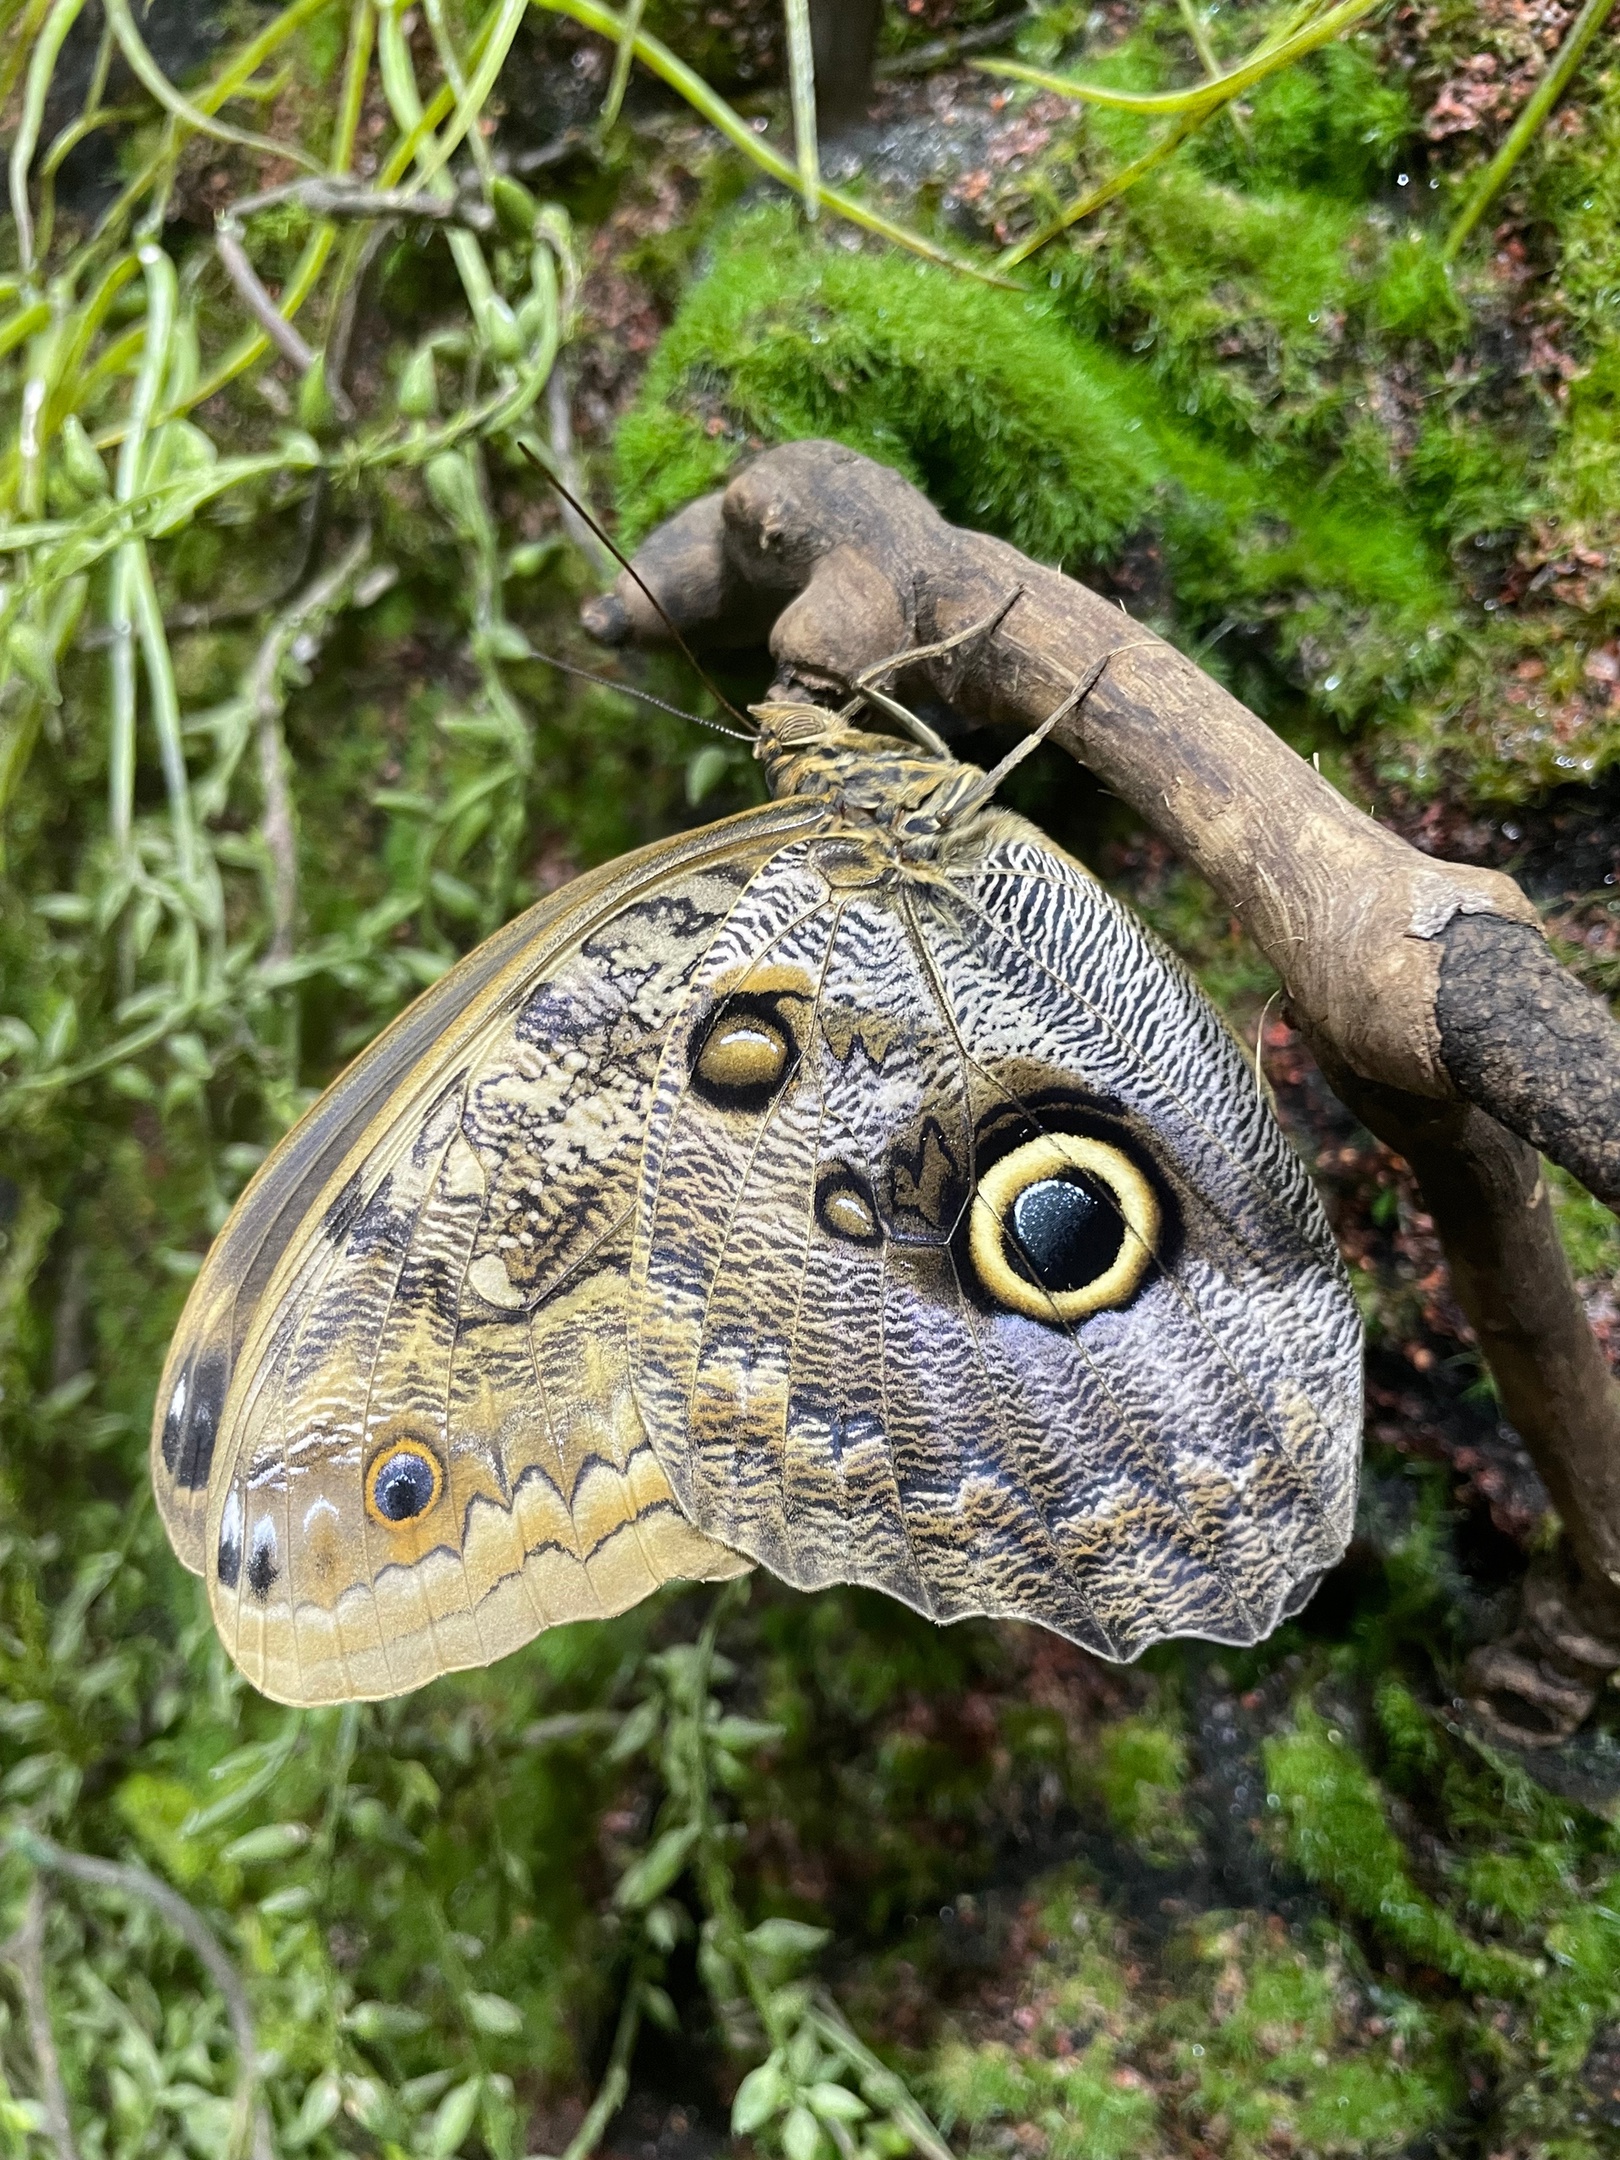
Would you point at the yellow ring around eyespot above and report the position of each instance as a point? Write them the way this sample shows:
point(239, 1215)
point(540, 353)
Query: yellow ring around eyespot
point(1050, 1156)
point(391, 1453)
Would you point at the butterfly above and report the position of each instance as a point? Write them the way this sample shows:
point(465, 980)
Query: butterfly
point(852, 1186)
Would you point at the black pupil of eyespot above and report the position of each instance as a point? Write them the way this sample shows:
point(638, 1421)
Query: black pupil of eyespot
point(1067, 1230)
point(404, 1487)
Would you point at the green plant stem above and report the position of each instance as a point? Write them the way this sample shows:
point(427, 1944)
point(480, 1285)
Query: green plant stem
point(121, 605)
point(307, 271)
point(92, 114)
point(623, 57)
point(21, 326)
point(1200, 98)
point(615, 2080)
point(663, 63)
point(827, 2022)
point(196, 117)
point(1192, 109)
point(41, 67)
point(16, 44)
point(1198, 31)
point(1541, 102)
point(1115, 184)
point(238, 70)
point(494, 44)
point(165, 709)
point(404, 101)
point(32, 423)
point(802, 87)
point(445, 47)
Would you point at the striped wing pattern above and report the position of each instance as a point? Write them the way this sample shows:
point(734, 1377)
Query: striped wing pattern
point(851, 1407)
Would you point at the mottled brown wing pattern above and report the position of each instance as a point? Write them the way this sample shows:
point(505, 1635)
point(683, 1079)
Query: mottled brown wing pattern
point(275, 1209)
point(829, 1373)
point(424, 1447)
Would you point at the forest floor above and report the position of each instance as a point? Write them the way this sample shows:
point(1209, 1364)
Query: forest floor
point(1233, 1906)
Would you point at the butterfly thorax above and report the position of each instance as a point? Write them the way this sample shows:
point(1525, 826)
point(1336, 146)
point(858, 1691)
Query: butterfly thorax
point(877, 783)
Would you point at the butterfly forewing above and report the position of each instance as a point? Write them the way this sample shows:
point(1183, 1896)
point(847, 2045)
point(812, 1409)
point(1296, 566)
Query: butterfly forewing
point(843, 1381)
point(428, 1449)
point(275, 1210)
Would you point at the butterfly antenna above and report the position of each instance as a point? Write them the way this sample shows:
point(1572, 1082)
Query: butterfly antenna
point(630, 571)
point(606, 682)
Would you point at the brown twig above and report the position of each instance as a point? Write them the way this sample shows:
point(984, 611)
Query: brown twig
point(303, 620)
point(325, 197)
point(258, 302)
point(330, 197)
point(1424, 987)
point(955, 45)
point(560, 427)
point(25, 1953)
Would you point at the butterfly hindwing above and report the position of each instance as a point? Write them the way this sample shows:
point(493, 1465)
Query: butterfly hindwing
point(849, 1367)
point(426, 1448)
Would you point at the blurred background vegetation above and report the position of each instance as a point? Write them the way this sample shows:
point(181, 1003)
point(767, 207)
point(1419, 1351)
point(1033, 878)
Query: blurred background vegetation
point(278, 742)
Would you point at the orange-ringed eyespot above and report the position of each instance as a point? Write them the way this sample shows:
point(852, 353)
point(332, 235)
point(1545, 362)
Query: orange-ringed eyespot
point(403, 1482)
point(1062, 1227)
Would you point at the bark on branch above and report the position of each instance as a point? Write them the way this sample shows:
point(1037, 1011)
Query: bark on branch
point(1424, 987)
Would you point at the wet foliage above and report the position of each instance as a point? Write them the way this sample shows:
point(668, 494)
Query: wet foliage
point(807, 1865)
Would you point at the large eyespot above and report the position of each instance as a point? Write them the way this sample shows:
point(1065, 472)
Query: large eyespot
point(1063, 1226)
point(403, 1482)
point(744, 1054)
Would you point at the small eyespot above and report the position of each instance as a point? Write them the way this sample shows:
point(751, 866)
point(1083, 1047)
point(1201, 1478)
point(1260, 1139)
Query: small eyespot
point(261, 1567)
point(403, 1482)
point(744, 1054)
point(228, 1559)
point(844, 1208)
point(192, 1424)
point(1062, 1227)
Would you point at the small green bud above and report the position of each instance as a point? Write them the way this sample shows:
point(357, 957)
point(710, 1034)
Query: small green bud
point(498, 328)
point(28, 650)
point(81, 460)
point(419, 385)
point(514, 206)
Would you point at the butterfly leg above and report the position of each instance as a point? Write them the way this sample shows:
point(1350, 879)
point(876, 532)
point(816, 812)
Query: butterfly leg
point(981, 790)
point(867, 692)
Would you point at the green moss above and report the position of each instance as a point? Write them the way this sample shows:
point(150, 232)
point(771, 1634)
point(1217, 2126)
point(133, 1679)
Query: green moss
point(1589, 1232)
point(785, 338)
point(1015, 424)
point(1256, 372)
point(1335, 124)
point(1256, 2042)
point(1139, 1772)
point(1273, 2061)
point(1338, 1834)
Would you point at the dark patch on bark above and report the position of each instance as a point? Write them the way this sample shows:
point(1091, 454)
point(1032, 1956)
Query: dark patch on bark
point(1519, 1034)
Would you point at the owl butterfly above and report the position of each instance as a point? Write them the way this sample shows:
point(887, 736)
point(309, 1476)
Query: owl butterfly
point(852, 1186)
